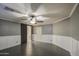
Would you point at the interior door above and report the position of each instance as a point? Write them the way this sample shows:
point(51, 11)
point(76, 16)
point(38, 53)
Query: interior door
point(23, 33)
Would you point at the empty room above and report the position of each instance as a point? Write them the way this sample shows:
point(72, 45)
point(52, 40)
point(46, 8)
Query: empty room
point(39, 29)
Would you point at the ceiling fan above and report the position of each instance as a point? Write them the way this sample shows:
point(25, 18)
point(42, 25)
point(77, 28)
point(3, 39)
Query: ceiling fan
point(34, 19)
point(30, 17)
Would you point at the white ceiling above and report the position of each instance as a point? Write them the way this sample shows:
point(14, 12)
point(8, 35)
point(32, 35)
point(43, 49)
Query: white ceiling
point(55, 11)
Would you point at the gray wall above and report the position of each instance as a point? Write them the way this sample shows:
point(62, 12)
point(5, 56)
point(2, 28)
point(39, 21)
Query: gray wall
point(47, 29)
point(9, 28)
point(68, 27)
point(62, 28)
point(75, 24)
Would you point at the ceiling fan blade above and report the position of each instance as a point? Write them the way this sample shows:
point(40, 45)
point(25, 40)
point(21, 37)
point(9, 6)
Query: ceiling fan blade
point(41, 18)
point(40, 11)
point(28, 8)
point(28, 11)
point(35, 6)
point(44, 10)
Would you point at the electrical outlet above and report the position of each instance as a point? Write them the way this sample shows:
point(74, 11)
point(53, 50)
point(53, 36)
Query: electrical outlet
point(16, 41)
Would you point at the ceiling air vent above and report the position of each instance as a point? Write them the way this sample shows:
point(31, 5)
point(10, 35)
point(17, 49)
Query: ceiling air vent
point(10, 9)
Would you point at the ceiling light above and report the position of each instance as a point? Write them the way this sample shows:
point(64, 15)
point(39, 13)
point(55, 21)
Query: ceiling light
point(33, 21)
point(39, 17)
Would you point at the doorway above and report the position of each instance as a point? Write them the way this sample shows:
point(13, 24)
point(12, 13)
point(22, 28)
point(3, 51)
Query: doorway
point(23, 33)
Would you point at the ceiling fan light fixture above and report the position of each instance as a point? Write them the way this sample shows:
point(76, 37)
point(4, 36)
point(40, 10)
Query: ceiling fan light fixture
point(39, 17)
point(33, 21)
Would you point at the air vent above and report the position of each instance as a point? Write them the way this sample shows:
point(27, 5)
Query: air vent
point(10, 9)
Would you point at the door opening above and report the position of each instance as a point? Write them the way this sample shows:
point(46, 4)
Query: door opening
point(23, 33)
